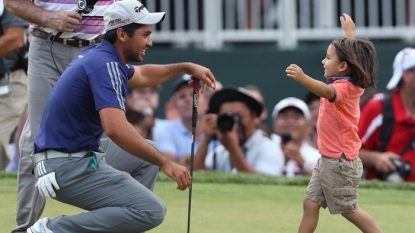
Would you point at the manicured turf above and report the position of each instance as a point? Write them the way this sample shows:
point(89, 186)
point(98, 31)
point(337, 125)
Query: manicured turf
point(243, 208)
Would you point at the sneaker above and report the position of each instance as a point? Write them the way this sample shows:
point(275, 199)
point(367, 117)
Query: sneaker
point(40, 227)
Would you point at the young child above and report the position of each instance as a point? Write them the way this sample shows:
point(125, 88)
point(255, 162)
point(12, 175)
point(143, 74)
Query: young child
point(350, 66)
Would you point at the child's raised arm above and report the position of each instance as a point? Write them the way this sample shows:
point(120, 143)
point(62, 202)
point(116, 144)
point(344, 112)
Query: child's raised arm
point(317, 87)
point(348, 25)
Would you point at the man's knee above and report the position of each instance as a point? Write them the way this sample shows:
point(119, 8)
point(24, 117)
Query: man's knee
point(159, 214)
point(153, 217)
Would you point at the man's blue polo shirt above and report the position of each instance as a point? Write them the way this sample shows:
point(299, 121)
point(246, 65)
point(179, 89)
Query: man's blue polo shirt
point(96, 79)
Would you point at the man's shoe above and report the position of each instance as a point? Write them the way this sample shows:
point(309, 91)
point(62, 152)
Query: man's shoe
point(40, 227)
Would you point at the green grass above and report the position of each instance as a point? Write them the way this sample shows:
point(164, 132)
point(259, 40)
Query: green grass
point(242, 208)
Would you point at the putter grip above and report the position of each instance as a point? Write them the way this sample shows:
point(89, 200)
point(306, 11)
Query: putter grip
point(195, 101)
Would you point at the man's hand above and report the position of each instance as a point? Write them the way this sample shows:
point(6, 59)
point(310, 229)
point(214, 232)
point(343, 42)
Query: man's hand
point(202, 73)
point(347, 25)
point(295, 72)
point(45, 185)
point(178, 173)
point(63, 21)
point(229, 139)
point(383, 163)
point(291, 150)
point(210, 126)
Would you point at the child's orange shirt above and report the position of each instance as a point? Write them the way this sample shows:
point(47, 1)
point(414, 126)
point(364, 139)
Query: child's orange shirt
point(337, 121)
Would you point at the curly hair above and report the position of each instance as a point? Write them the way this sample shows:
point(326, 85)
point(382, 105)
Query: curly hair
point(360, 56)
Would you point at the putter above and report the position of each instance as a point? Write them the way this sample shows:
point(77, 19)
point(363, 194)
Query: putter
point(192, 154)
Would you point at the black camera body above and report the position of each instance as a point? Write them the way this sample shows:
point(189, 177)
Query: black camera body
point(403, 167)
point(226, 121)
point(286, 138)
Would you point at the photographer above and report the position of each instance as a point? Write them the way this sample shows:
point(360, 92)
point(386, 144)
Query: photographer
point(387, 127)
point(291, 124)
point(244, 148)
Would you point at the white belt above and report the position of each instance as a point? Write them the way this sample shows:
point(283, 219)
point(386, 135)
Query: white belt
point(51, 154)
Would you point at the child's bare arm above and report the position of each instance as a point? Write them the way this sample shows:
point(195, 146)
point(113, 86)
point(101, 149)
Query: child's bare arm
point(348, 25)
point(317, 87)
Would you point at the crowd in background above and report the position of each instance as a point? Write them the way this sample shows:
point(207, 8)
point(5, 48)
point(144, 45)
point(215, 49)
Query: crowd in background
point(293, 130)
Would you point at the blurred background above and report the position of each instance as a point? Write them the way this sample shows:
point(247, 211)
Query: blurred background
point(253, 41)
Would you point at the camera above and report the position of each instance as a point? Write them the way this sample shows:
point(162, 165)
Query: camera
point(403, 167)
point(226, 121)
point(286, 138)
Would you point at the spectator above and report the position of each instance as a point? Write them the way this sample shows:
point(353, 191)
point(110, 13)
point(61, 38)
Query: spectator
point(175, 138)
point(138, 121)
point(149, 93)
point(255, 92)
point(291, 119)
point(387, 127)
point(13, 79)
point(371, 94)
point(144, 107)
point(170, 110)
point(244, 147)
point(313, 102)
point(142, 97)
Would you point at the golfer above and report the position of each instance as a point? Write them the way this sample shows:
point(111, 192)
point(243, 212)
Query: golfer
point(87, 100)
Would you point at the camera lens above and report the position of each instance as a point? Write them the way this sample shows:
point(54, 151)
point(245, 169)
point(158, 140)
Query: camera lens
point(403, 167)
point(226, 122)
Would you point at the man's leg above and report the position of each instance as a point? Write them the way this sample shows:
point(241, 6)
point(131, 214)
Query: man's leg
point(117, 202)
point(140, 170)
point(42, 76)
point(11, 107)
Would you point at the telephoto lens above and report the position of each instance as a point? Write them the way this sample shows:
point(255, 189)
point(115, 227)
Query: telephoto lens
point(226, 121)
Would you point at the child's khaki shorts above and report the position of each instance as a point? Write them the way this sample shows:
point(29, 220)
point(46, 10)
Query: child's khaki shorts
point(334, 184)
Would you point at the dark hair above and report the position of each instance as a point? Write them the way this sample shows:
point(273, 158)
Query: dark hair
point(310, 97)
point(360, 55)
point(111, 35)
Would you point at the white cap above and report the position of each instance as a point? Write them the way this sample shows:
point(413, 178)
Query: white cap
point(404, 60)
point(291, 102)
point(124, 12)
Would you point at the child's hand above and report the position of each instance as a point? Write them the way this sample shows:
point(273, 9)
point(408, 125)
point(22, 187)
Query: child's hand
point(348, 25)
point(295, 72)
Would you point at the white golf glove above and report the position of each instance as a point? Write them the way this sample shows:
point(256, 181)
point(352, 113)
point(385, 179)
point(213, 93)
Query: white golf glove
point(46, 182)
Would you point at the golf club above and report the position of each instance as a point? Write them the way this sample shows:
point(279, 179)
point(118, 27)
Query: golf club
point(194, 122)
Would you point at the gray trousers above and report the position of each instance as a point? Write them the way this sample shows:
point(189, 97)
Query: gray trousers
point(116, 201)
point(42, 76)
